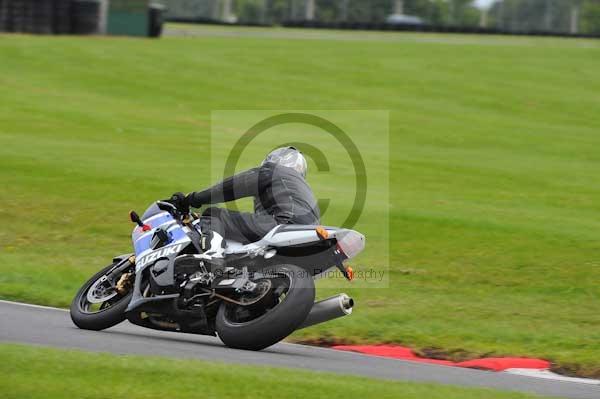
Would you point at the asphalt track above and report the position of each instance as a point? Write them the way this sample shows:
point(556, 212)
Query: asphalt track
point(52, 327)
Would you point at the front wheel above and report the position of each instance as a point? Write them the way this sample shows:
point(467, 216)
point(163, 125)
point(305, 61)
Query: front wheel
point(289, 300)
point(98, 305)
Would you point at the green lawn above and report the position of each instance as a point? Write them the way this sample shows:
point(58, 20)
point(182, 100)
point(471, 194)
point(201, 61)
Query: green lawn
point(32, 372)
point(494, 170)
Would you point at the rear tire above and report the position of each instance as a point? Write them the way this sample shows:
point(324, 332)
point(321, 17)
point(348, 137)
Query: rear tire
point(278, 322)
point(103, 318)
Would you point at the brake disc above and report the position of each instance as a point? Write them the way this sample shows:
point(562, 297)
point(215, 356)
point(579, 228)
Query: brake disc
point(101, 291)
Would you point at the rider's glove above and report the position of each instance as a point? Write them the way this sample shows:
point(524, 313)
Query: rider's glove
point(181, 202)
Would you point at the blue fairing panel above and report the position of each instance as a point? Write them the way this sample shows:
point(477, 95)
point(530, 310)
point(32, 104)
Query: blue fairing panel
point(155, 218)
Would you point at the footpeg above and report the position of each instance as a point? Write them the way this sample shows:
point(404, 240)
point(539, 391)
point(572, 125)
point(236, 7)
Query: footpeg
point(241, 284)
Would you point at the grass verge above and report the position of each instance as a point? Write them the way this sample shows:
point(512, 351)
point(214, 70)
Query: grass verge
point(32, 372)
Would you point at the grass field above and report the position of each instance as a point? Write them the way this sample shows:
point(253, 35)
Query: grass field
point(31, 372)
point(494, 170)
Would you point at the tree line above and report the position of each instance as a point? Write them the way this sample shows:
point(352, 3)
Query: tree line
point(575, 16)
point(437, 12)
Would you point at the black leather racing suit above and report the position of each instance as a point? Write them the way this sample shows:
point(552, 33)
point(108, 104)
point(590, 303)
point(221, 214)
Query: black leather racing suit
point(281, 196)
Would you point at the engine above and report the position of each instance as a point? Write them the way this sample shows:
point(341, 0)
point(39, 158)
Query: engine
point(179, 275)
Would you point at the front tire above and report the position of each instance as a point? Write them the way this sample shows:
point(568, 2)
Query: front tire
point(272, 324)
point(109, 314)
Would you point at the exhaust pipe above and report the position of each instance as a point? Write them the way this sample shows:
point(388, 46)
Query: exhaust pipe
point(328, 309)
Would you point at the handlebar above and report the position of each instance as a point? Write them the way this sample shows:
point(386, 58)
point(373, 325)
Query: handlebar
point(167, 206)
point(175, 212)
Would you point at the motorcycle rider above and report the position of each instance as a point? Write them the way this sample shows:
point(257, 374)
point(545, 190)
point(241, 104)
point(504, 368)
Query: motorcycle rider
point(281, 196)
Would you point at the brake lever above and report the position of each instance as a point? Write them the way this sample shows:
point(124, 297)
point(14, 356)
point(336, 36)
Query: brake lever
point(185, 217)
point(163, 204)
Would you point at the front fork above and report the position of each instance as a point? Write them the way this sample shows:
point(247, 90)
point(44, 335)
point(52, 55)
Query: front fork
point(121, 276)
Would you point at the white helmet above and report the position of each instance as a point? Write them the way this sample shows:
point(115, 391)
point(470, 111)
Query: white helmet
point(289, 157)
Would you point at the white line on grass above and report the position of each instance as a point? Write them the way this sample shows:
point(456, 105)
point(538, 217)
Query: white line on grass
point(29, 305)
point(549, 375)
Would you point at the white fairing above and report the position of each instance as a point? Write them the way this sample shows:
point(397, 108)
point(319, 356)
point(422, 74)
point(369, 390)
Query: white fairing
point(280, 236)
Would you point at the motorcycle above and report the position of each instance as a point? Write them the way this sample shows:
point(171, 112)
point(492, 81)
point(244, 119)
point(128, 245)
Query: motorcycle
point(262, 293)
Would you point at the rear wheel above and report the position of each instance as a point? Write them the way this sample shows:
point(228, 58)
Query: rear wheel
point(278, 313)
point(98, 305)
